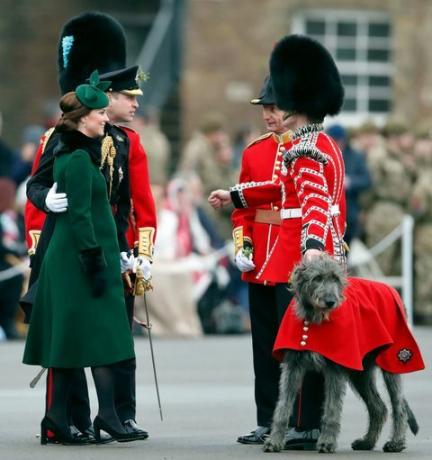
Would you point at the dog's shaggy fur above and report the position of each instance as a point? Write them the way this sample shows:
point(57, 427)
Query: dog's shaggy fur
point(318, 288)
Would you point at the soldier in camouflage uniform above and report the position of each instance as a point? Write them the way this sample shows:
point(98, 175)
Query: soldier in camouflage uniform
point(209, 155)
point(421, 208)
point(390, 194)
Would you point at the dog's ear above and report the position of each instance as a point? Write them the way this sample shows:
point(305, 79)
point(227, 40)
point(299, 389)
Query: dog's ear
point(296, 275)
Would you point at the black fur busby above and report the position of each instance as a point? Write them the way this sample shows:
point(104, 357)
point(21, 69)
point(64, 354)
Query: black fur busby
point(305, 78)
point(91, 41)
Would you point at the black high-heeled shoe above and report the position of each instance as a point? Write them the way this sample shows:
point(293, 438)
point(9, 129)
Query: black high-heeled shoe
point(61, 435)
point(120, 436)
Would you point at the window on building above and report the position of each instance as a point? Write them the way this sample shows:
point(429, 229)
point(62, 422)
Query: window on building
point(360, 42)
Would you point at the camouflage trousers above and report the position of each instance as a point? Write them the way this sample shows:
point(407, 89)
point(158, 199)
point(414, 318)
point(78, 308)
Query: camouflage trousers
point(423, 272)
point(384, 217)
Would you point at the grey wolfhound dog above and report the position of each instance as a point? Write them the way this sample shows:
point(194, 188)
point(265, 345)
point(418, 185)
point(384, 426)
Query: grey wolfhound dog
point(318, 288)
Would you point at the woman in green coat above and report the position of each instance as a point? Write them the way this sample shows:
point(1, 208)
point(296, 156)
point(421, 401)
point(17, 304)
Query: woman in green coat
point(79, 317)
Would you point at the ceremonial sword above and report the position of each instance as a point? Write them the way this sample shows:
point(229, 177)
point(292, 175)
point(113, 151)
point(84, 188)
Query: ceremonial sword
point(141, 286)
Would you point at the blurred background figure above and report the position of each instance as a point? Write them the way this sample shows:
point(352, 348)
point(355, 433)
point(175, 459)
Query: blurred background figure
point(392, 173)
point(192, 279)
point(51, 113)
point(242, 138)
point(173, 303)
point(366, 137)
point(24, 161)
point(7, 155)
point(421, 209)
point(155, 143)
point(209, 154)
point(357, 180)
point(12, 252)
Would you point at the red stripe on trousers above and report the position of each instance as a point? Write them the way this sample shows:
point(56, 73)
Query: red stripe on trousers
point(299, 408)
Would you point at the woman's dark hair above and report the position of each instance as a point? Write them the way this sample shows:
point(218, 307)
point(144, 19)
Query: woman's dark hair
point(72, 110)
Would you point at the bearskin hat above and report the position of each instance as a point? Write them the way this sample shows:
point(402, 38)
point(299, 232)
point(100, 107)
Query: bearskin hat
point(91, 41)
point(305, 78)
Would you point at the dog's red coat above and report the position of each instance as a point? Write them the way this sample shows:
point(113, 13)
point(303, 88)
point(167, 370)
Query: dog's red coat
point(371, 317)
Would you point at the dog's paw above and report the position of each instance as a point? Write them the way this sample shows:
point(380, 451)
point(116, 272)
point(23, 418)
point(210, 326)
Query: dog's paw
point(272, 446)
point(326, 447)
point(362, 444)
point(394, 446)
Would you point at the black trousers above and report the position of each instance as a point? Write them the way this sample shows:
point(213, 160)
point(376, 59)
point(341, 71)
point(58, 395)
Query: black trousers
point(125, 400)
point(267, 305)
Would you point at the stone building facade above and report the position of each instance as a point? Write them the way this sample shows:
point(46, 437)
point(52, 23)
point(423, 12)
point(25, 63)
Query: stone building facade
point(228, 43)
point(226, 48)
point(29, 32)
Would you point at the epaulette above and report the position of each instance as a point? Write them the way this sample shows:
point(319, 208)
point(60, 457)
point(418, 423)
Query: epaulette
point(259, 139)
point(304, 151)
point(46, 138)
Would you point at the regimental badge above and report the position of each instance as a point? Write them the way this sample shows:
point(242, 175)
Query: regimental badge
point(404, 355)
point(142, 76)
point(120, 173)
point(119, 138)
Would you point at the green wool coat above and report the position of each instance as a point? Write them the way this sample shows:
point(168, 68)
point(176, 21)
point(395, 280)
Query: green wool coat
point(69, 327)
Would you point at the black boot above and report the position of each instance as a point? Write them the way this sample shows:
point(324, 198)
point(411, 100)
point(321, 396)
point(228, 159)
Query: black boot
point(56, 418)
point(107, 418)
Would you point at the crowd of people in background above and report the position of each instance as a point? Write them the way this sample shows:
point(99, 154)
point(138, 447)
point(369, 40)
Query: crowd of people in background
point(197, 288)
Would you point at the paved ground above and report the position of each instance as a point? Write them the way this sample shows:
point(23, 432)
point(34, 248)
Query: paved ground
point(207, 394)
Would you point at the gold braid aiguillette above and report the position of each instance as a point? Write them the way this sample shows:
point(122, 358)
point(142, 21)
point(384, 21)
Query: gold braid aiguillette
point(109, 152)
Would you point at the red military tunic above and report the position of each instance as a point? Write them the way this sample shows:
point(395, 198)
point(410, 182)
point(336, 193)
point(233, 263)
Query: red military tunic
point(313, 202)
point(34, 218)
point(371, 317)
point(142, 228)
point(142, 225)
point(261, 161)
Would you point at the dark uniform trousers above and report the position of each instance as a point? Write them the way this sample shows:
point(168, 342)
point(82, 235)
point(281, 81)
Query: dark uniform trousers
point(267, 305)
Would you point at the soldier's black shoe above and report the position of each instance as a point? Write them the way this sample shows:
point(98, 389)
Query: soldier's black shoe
point(257, 436)
point(53, 434)
point(132, 427)
point(105, 438)
point(301, 440)
point(86, 436)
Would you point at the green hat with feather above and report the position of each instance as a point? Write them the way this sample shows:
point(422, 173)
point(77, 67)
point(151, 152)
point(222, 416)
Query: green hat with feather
point(92, 95)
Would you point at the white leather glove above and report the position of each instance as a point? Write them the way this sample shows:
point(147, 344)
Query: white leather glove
point(244, 263)
point(144, 264)
point(56, 202)
point(126, 262)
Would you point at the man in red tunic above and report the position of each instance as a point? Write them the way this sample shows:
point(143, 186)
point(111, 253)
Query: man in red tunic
point(254, 233)
point(307, 87)
point(88, 42)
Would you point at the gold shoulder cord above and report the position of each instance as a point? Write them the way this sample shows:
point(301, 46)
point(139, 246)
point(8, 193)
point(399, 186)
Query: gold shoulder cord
point(109, 152)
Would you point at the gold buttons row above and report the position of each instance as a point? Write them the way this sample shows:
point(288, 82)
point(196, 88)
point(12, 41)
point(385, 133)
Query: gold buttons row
point(305, 336)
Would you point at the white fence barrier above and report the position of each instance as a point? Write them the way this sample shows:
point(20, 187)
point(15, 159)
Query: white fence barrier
point(363, 259)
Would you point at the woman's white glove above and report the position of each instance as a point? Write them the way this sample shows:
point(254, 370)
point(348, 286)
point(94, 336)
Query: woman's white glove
point(244, 263)
point(126, 262)
point(56, 202)
point(145, 266)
